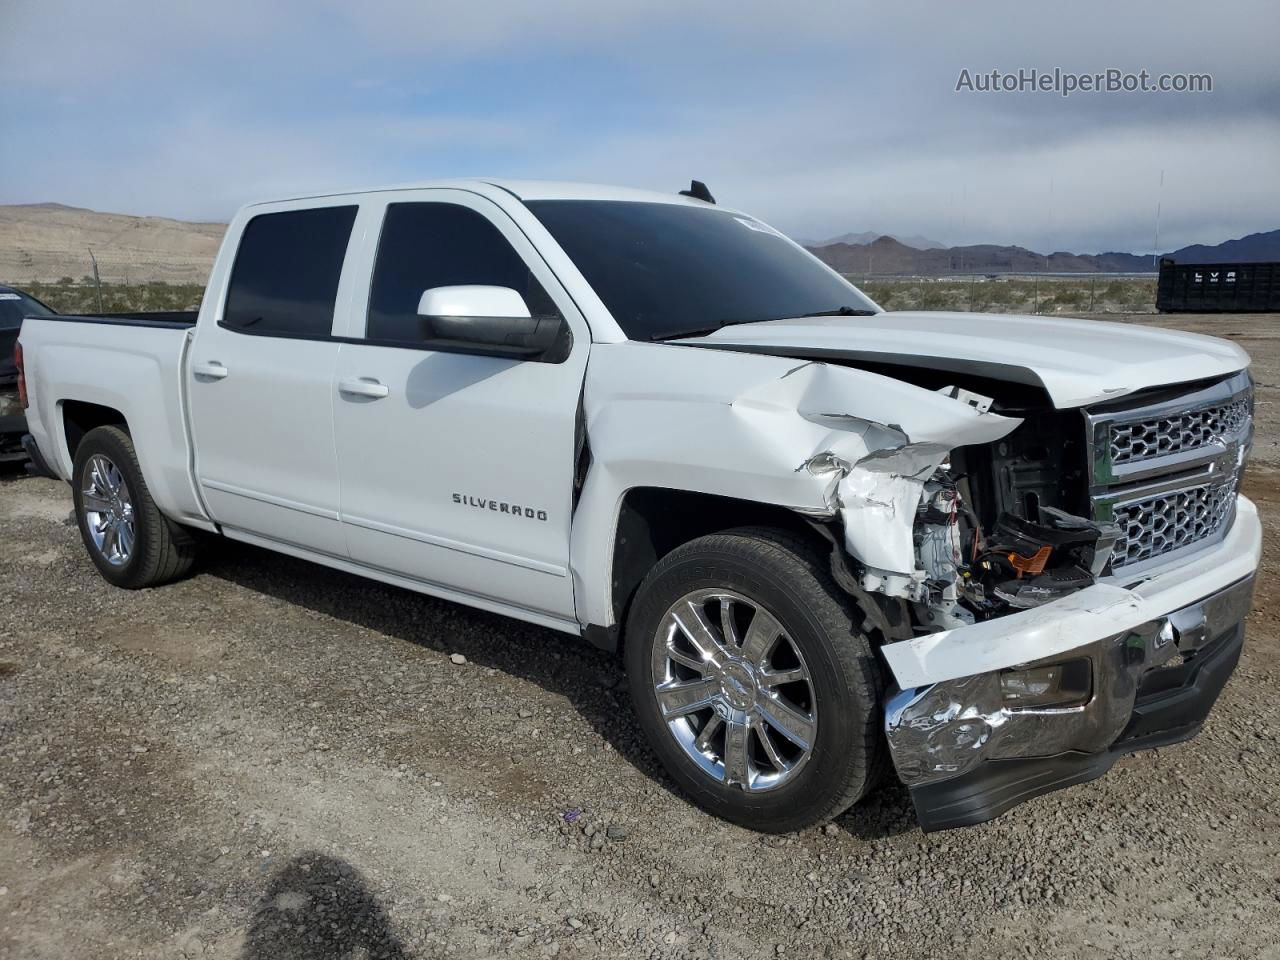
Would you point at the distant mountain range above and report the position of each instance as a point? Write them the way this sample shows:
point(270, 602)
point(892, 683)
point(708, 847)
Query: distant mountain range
point(1255, 248)
point(886, 255)
point(45, 241)
point(870, 236)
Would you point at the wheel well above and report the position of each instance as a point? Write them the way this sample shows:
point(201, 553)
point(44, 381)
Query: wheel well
point(79, 417)
point(654, 521)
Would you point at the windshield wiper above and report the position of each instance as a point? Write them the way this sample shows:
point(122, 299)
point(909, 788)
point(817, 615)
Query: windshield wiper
point(841, 312)
point(700, 331)
point(681, 334)
point(712, 328)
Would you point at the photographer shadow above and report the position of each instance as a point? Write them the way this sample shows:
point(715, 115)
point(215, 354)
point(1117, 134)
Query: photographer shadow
point(318, 907)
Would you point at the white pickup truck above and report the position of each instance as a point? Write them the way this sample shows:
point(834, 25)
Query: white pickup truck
point(1001, 551)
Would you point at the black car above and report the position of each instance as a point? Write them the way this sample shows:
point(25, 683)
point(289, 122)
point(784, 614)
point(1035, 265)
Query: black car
point(14, 305)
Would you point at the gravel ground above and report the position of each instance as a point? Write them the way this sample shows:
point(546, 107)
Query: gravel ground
point(272, 760)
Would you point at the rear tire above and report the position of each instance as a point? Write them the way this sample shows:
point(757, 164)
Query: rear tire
point(129, 540)
point(810, 704)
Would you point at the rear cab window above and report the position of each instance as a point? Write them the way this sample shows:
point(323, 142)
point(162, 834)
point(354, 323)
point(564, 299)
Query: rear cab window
point(284, 281)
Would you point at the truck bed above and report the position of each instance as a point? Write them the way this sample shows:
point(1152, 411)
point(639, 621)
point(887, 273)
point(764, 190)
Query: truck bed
point(179, 319)
point(130, 363)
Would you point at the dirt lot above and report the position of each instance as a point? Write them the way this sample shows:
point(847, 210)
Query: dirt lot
point(272, 760)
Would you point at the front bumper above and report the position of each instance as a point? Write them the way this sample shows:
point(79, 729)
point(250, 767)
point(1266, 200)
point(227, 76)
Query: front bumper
point(967, 756)
point(1100, 611)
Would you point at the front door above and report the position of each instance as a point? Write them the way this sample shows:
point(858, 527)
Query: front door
point(457, 468)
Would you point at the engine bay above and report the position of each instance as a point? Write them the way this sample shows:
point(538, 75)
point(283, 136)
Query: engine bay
point(999, 527)
point(976, 571)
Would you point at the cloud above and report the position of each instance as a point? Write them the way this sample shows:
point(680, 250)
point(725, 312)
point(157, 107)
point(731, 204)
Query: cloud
point(825, 118)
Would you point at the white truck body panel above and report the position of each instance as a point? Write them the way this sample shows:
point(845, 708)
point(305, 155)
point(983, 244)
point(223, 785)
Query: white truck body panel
point(265, 458)
point(1078, 362)
point(426, 472)
point(275, 474)
point(761, 429)
point(140, 375)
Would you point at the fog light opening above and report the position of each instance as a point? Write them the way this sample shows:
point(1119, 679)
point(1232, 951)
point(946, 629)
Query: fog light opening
point(1067, 684)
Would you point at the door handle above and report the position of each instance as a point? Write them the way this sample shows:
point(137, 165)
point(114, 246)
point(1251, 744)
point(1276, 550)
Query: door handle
point(210, 370)
point(365, 387)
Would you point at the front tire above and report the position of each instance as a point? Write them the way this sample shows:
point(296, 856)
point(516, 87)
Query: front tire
point(129, 540)
point(754, 678)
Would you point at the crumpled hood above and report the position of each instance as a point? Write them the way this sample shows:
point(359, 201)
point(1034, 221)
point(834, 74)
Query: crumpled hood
point(1076, 361)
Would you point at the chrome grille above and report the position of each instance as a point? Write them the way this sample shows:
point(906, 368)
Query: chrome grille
point(1161, 524)
point(1191, 430)
point(1167, 472)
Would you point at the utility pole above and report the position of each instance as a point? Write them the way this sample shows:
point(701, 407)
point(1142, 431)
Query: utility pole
point(1155, 245)
point(97, 280)
point(1052, 234)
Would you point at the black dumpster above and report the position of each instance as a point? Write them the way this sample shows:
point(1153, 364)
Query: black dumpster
point(1218, 287)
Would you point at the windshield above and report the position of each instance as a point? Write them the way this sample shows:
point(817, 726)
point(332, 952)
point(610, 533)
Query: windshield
point(14, 306)
point(670, 270)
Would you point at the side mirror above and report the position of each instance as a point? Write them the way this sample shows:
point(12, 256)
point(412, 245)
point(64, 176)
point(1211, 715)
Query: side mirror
point(484, 316)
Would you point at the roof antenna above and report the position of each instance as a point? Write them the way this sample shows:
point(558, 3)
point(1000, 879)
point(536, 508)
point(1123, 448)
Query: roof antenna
point(698, 190)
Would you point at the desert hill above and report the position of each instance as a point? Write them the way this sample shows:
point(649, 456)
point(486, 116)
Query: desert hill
point(46, 241)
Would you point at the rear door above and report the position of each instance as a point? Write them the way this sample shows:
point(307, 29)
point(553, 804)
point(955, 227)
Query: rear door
point(462, 475)
point(260, 380)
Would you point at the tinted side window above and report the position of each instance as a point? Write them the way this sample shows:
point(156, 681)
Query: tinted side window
point(425, 245)
point(285, 278)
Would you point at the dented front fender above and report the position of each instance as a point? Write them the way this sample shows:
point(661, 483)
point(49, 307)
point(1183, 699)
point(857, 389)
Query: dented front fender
point(822, 439)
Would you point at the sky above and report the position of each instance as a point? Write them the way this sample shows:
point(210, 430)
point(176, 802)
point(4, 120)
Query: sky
point(819, 117)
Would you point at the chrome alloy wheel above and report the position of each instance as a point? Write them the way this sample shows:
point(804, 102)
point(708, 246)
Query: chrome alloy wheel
point(108, 510)
point(734, 689)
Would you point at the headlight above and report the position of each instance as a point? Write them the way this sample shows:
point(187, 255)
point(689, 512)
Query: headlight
point(1067, 684)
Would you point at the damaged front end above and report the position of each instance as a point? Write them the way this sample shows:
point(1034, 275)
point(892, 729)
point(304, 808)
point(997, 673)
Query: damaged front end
point(970, 747)
point(971, 572)
point(915, 517)
point(1031, 664)
point(1029, 561)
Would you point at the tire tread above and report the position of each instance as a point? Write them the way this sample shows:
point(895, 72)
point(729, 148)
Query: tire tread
point(806, 574)
point(166, 550)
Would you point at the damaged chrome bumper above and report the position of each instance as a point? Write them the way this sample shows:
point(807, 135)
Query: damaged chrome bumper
point(968, 751)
